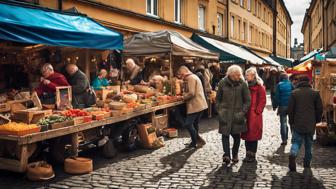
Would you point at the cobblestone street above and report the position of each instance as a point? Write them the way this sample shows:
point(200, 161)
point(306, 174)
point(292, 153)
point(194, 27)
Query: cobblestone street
point(175, 167)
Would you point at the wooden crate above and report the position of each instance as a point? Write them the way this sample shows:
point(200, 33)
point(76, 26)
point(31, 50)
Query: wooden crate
point(160, 121)
point(147, 134)
point(61, 125)
point(30, 116)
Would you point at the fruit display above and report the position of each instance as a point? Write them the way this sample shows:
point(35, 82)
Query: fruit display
point(75, 113)
point(13, 126)
point(53, 119)
point(18, 129)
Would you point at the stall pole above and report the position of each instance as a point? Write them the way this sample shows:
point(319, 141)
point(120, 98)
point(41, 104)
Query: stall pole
point(74, 144)
point(170, 66)
point(87, 63)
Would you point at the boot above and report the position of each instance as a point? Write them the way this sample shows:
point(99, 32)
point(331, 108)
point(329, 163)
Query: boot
point(292, 163)
point(248, 156)
point(306, 164)
point(200, 141)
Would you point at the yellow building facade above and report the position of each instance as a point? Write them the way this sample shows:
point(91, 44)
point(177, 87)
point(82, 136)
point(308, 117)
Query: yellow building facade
point(319, 25)
point(245, 22)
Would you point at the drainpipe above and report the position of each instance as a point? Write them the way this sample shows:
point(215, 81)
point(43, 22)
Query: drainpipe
point(60, 5)
point(275, 15)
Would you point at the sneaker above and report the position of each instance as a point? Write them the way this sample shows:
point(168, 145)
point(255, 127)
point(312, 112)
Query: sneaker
point(292, 163)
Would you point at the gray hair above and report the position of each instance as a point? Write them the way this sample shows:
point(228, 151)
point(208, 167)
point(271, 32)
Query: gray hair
point(254, 72)
point(235, 69)
point(183, 69)
point(47, 66)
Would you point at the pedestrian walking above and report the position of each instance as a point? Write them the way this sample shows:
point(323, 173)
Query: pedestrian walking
point(196, 103)
point(254, 115)
point(282, 94)
point(232, 103)
point(304, 111)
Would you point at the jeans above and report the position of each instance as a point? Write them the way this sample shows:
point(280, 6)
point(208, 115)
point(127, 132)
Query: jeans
point(283, 123)
point(191, 123)
point(297, 140)
point(226, 145)
point(251, 146)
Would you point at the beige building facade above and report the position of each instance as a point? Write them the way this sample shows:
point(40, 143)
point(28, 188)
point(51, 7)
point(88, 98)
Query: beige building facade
point(244, 22)
point(319, 25)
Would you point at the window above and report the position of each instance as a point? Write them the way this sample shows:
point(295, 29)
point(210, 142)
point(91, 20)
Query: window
point(249, 5)
point(178, 11)
point(238, 36)
point(152, 7)
point(201, 17)
point(232, 26)
point(264, 16)
point(259, 9)
point(255, 8)
point(244, 31)
point(250, 34)
point(219, 24)
point(242, 3)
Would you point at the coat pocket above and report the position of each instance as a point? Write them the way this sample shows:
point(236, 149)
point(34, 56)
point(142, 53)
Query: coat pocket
point(222, 115)
point(239, 118)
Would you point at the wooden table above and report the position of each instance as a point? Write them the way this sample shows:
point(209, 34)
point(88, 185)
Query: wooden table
point(23, 141)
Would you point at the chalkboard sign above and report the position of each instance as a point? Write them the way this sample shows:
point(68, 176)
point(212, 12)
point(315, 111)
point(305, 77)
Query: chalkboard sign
point(63, 98)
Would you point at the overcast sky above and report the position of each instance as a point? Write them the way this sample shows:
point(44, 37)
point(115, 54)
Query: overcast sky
point(297, 9)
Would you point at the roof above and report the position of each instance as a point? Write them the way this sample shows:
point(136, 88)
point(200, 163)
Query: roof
point(307, 14)
point(55, 28)
point(164, 42)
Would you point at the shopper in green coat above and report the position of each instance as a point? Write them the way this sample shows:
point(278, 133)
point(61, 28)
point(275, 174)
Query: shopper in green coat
point(232, 103)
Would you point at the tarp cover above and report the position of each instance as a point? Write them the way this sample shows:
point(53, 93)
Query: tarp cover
point(228, 52)
point(163, 42)
point(283, 61)
point(39, 26)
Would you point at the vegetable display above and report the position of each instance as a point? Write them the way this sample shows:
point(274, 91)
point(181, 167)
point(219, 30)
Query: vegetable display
point(53, 119)
point(75, 113)
point(13, 126)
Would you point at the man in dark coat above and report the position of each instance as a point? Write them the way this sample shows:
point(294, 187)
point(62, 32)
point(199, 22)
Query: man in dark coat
point(80, 84)
point(304, 111)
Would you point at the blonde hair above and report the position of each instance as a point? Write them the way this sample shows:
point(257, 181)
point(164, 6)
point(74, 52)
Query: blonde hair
point(235, 69)
point(102, 71)
point(254, 72)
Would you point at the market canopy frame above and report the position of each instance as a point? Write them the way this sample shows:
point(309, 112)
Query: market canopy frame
point(165, 42)
point(34, 25)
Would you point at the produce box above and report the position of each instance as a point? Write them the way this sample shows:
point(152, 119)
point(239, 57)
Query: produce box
point(18, 129)
point(78, 120)
point(115, 113)
point(147, 134)
point(30, 116)
point(61, 124)
point(98, 117)
point(4, 107)
point(160, 121)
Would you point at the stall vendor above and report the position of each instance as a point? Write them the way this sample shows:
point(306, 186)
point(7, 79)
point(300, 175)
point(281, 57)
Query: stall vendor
point(80, 84)
point(156, 81)
point(135, 72)
point(100, 82)
point(49, 82)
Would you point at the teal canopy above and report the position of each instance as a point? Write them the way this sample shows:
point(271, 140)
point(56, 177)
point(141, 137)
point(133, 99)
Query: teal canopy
point(49, 27)
point(283, 61)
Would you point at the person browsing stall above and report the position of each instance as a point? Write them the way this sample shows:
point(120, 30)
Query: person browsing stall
point(79, 83)
point(100, 82)
point(134, 71)
point(49, 81)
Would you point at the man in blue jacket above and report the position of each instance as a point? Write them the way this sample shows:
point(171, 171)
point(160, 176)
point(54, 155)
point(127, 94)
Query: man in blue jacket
point(282, 94)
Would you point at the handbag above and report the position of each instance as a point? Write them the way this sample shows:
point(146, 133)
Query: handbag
point(91, 97)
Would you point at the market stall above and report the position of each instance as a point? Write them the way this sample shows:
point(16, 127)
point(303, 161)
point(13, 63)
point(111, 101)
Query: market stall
point(62, 38)
point(324, 80)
